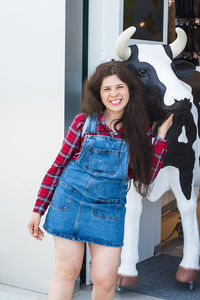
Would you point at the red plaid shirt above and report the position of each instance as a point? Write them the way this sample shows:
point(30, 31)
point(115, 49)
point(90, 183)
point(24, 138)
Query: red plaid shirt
point(71, 148)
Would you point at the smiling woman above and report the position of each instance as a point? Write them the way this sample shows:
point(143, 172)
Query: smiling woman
point(115, 96)
point(105, 146)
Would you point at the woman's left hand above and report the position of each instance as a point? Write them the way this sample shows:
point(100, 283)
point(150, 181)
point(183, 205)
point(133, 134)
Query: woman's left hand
point(162, 130)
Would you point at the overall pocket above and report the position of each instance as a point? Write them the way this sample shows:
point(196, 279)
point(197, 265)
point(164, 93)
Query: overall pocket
point(107, 209)
point(104, 161)
point(62, 196)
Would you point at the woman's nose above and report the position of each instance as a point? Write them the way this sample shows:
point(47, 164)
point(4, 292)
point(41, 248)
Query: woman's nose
point(114, 92)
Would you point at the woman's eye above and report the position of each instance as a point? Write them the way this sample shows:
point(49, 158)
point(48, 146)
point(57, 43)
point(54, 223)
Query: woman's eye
point(142, 72)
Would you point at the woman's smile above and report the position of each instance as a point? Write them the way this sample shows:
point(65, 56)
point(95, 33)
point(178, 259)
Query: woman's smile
point(114, 94)
point(116, 102)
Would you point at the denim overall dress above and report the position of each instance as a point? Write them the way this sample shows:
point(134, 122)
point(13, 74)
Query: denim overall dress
point(89, 201)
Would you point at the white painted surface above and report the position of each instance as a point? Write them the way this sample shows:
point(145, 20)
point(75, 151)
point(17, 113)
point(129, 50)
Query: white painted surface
point(104, 28)
point(183, 137)
point(32, 128)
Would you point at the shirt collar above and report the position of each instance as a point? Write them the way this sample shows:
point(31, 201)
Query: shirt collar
point(102, 121)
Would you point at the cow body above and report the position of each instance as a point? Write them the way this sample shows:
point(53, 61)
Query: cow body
point(164, 93)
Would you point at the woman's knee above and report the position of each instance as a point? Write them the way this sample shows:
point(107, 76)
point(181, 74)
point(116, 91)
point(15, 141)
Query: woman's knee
point(104, 283)
point(67, 274)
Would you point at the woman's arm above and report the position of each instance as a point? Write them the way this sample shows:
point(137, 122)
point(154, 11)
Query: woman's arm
point(70, 146)
point(162, 130)
point(159, 146)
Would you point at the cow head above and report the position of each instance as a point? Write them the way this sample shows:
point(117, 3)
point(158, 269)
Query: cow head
point(164, 92)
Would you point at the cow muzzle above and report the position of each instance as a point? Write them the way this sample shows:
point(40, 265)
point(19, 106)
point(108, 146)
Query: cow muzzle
point(179, 107)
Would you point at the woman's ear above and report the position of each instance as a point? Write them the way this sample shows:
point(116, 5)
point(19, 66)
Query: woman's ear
point(182, 68)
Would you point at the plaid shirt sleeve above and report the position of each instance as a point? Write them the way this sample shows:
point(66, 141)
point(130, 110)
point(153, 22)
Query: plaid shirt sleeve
point(70, 146)
point(159, 149)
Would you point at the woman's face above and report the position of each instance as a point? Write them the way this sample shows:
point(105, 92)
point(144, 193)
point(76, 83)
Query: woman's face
point(114, 94)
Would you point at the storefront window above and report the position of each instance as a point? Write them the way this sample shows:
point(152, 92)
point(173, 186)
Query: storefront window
point(147, 17)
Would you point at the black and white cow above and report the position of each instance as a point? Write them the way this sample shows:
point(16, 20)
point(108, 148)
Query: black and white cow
point(165, 93)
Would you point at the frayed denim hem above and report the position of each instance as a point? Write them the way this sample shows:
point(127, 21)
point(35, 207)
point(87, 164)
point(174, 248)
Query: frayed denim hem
point(81, 239)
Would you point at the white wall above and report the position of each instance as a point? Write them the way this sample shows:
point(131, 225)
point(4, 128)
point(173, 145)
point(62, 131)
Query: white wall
point(104, 27)
point(32, 126)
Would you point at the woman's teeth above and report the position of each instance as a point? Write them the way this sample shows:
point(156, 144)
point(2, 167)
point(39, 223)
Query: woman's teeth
point(116, 102)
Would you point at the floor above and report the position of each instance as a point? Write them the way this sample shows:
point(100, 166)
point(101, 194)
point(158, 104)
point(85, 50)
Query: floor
point(12, 293)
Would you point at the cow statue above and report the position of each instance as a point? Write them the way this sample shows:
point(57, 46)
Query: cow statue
point(165, 93)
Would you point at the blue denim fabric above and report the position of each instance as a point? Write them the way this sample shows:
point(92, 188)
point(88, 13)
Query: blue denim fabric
point(89, 201)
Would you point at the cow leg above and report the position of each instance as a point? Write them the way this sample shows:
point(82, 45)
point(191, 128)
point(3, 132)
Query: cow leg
point(188, 270)
point(196, 191)
point(127, 272)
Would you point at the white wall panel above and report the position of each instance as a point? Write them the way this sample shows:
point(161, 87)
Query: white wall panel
point(32, 128)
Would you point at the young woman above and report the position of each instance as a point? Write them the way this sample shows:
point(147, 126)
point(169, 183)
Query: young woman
point(106, 145)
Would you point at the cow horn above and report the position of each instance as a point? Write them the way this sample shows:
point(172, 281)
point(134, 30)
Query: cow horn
point(121, 47)
point(179, 44)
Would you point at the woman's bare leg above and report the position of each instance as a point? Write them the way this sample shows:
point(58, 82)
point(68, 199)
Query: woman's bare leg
point(68, 261)
point(104, 266)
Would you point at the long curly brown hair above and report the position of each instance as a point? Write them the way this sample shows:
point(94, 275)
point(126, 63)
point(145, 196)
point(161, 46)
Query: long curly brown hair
point(133, 119)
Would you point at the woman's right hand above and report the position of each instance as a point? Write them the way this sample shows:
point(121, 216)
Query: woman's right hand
point(33, 227)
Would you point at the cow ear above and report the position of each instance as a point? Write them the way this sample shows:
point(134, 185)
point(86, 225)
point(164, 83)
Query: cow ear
point(182, 68)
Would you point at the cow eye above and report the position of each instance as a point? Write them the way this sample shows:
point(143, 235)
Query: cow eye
point(142, 72)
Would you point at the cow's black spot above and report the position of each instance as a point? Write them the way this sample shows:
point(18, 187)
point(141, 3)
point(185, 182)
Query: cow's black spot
point(179, 154)
point(153, 88)
point(168, 51)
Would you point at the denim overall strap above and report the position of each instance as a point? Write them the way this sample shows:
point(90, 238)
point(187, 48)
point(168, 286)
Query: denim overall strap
point(85, 126)
point(90, 124)
point(93, 123)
